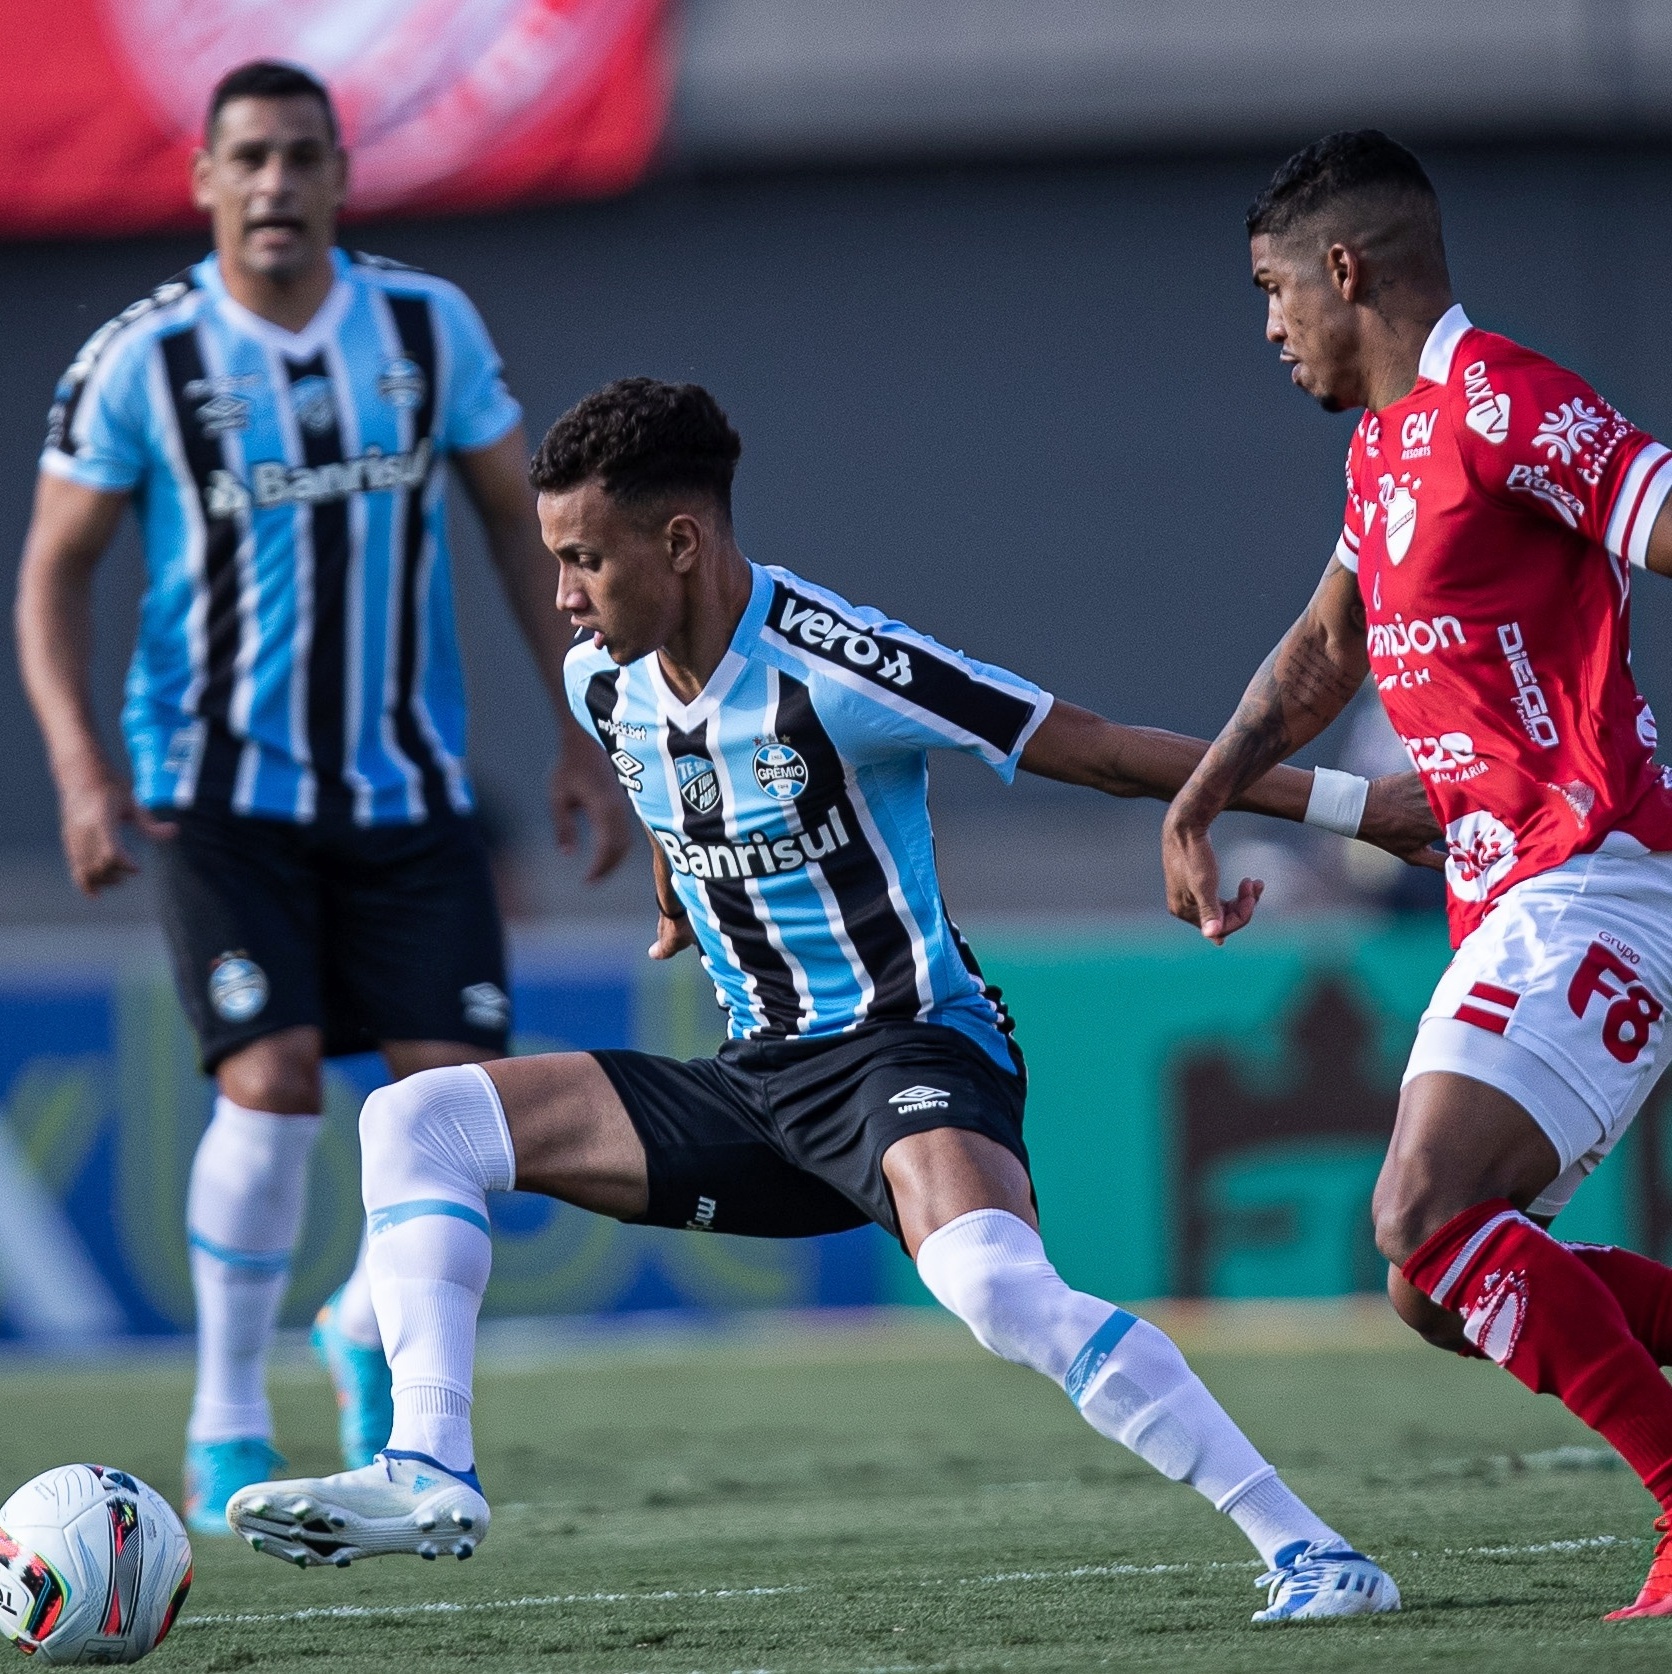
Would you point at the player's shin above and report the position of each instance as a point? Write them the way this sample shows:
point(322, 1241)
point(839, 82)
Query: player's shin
point(1127, 1378)
point(432, 1147)
point(1538, 1309)
point(244, 1209)
point(1642, 1287)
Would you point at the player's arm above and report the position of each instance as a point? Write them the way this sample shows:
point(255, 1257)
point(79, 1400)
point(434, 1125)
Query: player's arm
point(1658, 557)
point(1300, 688)
point(673, 923)
point(68, 533)
point(582, 782)
point(1081, 748)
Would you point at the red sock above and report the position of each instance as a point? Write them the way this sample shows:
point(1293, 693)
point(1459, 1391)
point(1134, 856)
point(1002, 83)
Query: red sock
point(1643, 1288)
point(1532, 1305)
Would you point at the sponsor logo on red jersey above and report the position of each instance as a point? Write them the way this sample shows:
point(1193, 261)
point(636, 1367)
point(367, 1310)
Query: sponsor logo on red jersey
point(1494, 583)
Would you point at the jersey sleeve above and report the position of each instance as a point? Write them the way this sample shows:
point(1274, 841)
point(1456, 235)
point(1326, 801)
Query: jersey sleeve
point(1352, 520)
point(480, 409)
point(97, 431)
point(890, 690)
point(1538, 436)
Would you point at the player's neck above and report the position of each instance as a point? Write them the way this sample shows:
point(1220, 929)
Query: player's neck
point(288, 303)
point(716, 597)
point(1391, 348)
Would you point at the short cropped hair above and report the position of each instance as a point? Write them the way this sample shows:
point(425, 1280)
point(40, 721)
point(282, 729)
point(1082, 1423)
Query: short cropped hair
point(268, 78)
point(643, 440)
point(1360, 164)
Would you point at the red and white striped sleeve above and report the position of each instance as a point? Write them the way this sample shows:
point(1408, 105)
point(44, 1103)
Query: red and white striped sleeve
point(1352, 522)
point(1571, 457)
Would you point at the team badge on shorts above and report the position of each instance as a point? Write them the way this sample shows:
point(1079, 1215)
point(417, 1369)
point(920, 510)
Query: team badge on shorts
point(237, 988)
point(698, 787)
point(486, 1005)
point(780, 772)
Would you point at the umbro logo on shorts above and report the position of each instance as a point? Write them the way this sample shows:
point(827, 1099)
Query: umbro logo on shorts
point(920, 1098)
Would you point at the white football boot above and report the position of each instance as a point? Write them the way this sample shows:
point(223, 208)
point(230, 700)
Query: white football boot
point(400, 1502)
point(1312, 1583)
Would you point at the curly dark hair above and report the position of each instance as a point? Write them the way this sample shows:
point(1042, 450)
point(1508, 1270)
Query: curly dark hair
point(268, 78)
point(1359, 164)
point(643, 440)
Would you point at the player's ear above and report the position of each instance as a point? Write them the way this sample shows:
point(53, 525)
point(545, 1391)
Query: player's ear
point(202, 196)
point(1345, 271)
point(684, 537)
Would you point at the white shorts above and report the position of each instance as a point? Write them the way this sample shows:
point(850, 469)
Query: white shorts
point(1558, 999)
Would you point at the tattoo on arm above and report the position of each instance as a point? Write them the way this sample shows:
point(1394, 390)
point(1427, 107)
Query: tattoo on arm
point(1299, 689)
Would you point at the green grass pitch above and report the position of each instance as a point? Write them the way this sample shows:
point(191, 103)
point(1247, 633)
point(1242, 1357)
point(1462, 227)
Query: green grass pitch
point(881, 1495)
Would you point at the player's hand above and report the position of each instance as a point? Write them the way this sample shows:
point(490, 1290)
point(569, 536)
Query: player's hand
point(583, 782)
point(1397, 818)
point(92, 815)
point(1192, 872)
point(673, 935)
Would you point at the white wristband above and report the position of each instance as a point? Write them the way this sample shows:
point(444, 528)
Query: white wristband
point(1337, 801)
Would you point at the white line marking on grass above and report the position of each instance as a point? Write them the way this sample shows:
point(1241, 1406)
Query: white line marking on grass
point(1080, 1572)
point(449, 1607)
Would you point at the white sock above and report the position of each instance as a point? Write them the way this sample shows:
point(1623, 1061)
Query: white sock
point(243, 1214)
point(432, 1147)
point(356, 1315)
point(1127, 1378)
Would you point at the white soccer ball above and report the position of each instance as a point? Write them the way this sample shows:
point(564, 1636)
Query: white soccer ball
point(94, 1566)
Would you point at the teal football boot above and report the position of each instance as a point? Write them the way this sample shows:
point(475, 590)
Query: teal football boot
point(215, 1471)
point(360, 1376)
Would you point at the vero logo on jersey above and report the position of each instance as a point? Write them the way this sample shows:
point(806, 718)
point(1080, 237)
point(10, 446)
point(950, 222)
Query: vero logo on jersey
point(698, 788)
point(820, 631)
point(780, 772)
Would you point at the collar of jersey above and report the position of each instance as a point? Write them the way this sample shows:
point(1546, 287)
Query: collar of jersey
point(295, 345)
point(688, 717)
point(1441, 346)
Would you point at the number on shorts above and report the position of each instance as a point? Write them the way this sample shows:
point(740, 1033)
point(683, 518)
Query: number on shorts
point(1632, 1010)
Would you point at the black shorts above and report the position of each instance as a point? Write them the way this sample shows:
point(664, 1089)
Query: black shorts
point(785, 1139)
point(370, 934)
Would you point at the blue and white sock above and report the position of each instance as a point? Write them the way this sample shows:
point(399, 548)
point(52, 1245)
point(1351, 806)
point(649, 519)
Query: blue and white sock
point(244, 1208)
point(1126, 1377)
point(432, 1147)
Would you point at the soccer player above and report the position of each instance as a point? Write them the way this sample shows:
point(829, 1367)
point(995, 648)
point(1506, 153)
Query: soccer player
point(774, 740)
point(281, 417)
point(1496, 506)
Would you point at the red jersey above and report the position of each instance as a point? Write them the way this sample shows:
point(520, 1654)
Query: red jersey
point(1492, 517)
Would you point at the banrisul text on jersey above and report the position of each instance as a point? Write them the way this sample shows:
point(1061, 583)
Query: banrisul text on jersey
point(1493, 517)
point(297, 655)
point(790, 799)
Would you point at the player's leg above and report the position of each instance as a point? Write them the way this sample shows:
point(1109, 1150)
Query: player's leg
point(432, 1147)
point(965, 1213)
point(239, 913)
point(1475, 1271)
point(414, 960)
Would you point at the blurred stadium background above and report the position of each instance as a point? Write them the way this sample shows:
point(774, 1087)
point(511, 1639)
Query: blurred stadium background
point(971, 279)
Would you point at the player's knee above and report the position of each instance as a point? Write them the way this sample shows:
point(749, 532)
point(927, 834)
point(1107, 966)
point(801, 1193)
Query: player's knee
point(278, 1073)
point(1405, 1216)
point(398, 1124)
point(996, 1303)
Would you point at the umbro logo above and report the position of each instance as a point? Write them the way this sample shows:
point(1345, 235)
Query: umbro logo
point(920, 1098)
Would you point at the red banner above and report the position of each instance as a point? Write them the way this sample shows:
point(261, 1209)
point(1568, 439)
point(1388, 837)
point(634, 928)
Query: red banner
point(445, 104)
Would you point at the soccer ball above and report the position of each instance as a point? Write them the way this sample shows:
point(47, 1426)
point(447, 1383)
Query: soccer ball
point(94, 1566)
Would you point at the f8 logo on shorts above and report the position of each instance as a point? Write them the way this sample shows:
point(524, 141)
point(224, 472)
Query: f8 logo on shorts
point(1632, 1010)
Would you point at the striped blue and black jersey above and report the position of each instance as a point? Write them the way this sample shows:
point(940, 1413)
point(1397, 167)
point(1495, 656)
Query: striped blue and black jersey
point(791, 801)
point(297, 653)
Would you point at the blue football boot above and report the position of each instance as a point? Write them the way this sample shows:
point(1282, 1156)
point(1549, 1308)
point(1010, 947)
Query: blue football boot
point(360, 1376)
point(215, 1471)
